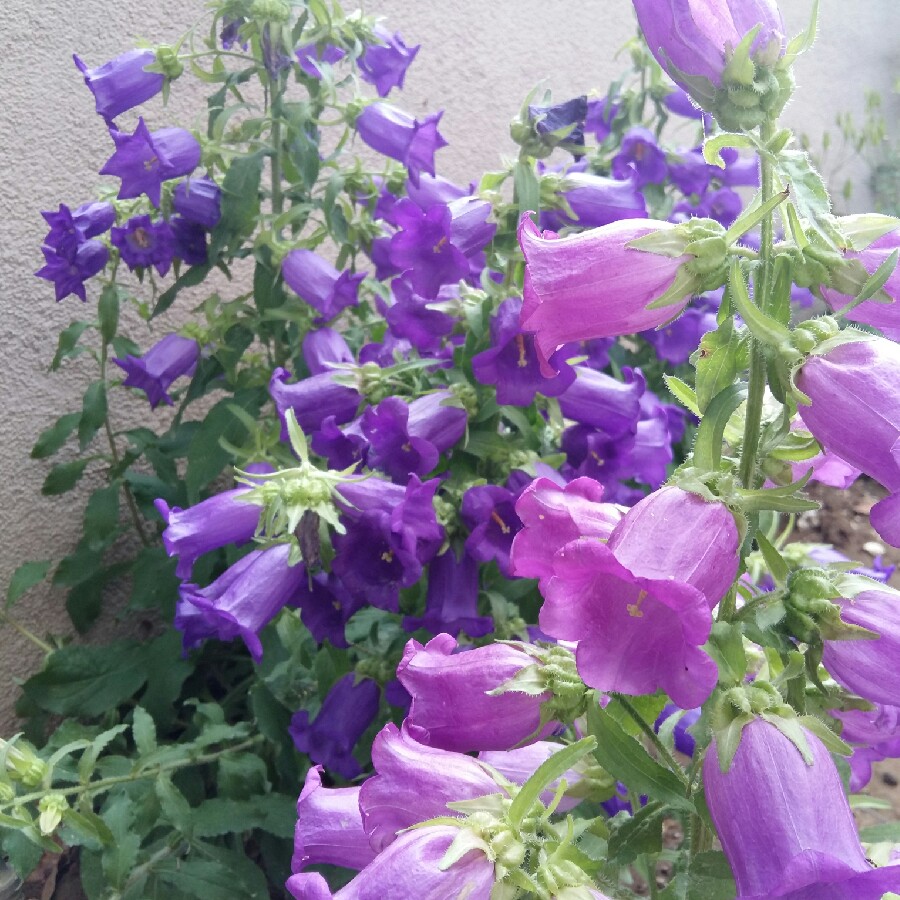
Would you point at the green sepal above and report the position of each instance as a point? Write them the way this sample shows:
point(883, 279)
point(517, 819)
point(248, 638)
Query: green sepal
point(762, 326)
point(873, 285)
point(803, 41)
point(729, 738)
point(683, 393)
point(863, 229)
point(713, 146)
point(707, 452)
point(726, 645)
point(791, 728)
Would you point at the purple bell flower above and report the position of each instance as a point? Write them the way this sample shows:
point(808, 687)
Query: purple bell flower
point(489, 513)
point(874, 735)
point(322, 348)
point(512, 363)
point(677, 340)
point(122, 83)
point(400, 136)
point(312, 400)
point(678, 102)
point(450, 699)
point(310, 56)
point(329, 827)
point(604, 402)
point(590, 285)
point(143, 243)
point(198, 200)
point(414, 782)
point(566, 118)
point(797, 856)
point(344, 448)
point(691, 174)
point(218, 521)
point(325, 607)
point(70, 229)
point(552, 516)
point(384, 64)
point(855, 390)
point(69, 272)
point(144, 160)
point(346, 712)
point(452, 599)
point(596, 201)
point(168, 359)
point(241, 601)
point(682, 737)
point(640, 158)
point(318, 282)
point(411, 318)
point(190, 241)
point(433, 190)
point(413, 866)
point(230, 34)
point(599, 118)
point(870, 668)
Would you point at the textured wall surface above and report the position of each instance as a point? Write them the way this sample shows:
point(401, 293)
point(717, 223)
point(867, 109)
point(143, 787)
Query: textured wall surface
point(477, 63)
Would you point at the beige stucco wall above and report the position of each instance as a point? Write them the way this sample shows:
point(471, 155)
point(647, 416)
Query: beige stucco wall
point(478, 61)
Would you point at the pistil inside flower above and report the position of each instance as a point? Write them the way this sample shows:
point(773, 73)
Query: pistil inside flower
point(520, 344)
point(495, 516)
point(634, 609)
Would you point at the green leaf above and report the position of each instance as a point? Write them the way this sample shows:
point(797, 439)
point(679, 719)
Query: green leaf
point(63, 477)
point(101, 516)
point(120, 857)
point(189, 278)
point(22, 853)
point(722, 354)
point(25, 577)
point(683, 393)
point(175, 808)
point(211, 879)
point(273, 813)
point(153, 582)
point(774, 560)
point(85, 600)
point(640, 833)
point(88, 827)
point(809, 195)
point(727, 649)
point(206, 456)
point(762, 326)
point(93, 413)
point(527, 187)
point(88, 761)
point(240, 202)
point(627, 760)
point(143, 730)
point(108, 310)
point(710, 878)
point(708, 444)
point(884, 831)
point(68, 343)
point(166, 673)
point(713, 147)
point(88, 681)
point(53, 438)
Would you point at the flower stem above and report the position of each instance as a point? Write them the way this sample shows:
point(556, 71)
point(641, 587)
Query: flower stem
point(762, 285)
point(26, 633)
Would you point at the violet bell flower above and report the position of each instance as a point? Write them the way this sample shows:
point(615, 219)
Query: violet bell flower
point(346, 712)
point(318, 282)
point(143, 243)
point(69, 272)
point(874, 735)
point(198, 200)
point(398, 135)
point(412, 318)
point(311, 56)
point(855, 390)
point(144, 160)
point(591, 285)
point(313, 400)
point(595, 201)
point(69, 229)
point(384, 64)
point(123, 82)
point(640, 158)
point(169, 359)
point(797, 856)
point(488, 511)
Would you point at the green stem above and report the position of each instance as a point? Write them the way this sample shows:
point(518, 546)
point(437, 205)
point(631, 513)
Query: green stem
point(105, 783)
point(756, 390)
point(653, 737)
point(26, 633)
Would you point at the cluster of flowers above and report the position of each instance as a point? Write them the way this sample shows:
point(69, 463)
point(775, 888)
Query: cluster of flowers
point(438, 409)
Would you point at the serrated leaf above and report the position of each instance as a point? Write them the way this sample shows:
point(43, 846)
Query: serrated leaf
point(88, 761)
point(143, 730)
point(713, 147)
point(26, 576)
point(167, 671)
point(884, 831)
point(88, 827)
point(240, 202)
point(101, 516)
point(68, 343)
point(224, 878)
point(63, 477)
point(108, 311)
point(88, 681)
point(721, 355)
point(809, 195)
point(93, 413)
point(54, 437)
point(627, 760)
point(640, 833)
point(527, 187)
point(273, 813)
point(683, 393)
point(153, 581)
point(175, 808)
point(22, 853)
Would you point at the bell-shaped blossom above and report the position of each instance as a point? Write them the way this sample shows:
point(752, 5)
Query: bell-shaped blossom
point(190, 241)
point(70, 271)
point(310, 57)
point(325, 607)
point(855, 391)
point(874, 735)
point(346, 712)
point(553, 516)
point(144, 160)
point(199, 201)
point(414, 782)
point(322, 348)
point(241, 601)
point(406, 438)
point(678, 102)
point(153, 373)
point(635, 634)
point(591, 285)
point(768, 814)
point(69, 229)
point(600, 115)
point(398, 135)
point(640, 158)
point(313, 399)
point(435, 190)
point(317, 282)
point(604, 402)
point(451, 603)
point(329, 827)
point(123, 82)
point(384, 64)
point(413, 866)
point(883, 316)
point(561, 122)
point(450, 699)
point(870, 668)
point(344, 448)
point(231, 32)
point(689, 38)
point(489, 512)
point(596, 201)
point(512, 363)
point(143, 243)
point(212, 523)
point(411, 317)
point(676, 341)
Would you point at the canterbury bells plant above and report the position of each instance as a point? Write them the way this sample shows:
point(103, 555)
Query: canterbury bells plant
point(461, 511)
